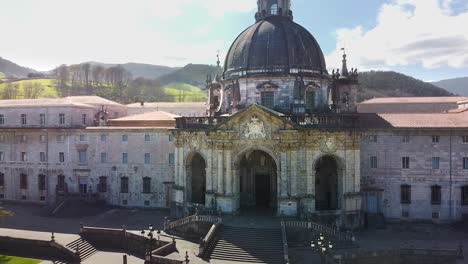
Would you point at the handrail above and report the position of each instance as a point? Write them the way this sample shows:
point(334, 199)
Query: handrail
point(285, 242)
point(205, 243)
point(328, 230)
point(192, 219)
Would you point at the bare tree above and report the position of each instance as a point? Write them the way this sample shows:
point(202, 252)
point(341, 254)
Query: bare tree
point(62, 74)
point(10, 91)
point(86, 68)
point(97, 74)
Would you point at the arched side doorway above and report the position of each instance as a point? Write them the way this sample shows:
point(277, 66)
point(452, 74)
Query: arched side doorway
point(327, 185)
point(257, 182)
point(196, 179)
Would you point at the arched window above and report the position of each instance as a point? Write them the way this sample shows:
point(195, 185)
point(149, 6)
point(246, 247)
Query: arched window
point(274, 9)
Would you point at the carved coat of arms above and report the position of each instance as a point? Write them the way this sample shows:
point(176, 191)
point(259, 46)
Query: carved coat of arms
point(254, 129)
point(329, 145)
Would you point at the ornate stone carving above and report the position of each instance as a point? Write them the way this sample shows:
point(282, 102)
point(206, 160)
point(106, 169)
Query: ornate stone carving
point(254, 129)
point(329, 145)
point(196, 141)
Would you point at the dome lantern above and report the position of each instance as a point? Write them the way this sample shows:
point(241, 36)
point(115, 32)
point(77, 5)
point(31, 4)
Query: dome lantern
point(268, 8)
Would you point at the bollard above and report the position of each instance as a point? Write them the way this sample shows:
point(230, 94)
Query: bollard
point(124, 259)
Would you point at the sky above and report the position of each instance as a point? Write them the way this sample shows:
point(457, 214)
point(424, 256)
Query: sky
point(427, 39)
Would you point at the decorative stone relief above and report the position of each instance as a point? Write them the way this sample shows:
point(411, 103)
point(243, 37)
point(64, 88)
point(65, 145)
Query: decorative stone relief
point(329, 145)
point(254, 129)
point(196, 141)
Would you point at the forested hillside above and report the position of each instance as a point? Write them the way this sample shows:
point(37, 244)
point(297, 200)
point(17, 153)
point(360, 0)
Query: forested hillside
point(10, 69)
point(457, 86)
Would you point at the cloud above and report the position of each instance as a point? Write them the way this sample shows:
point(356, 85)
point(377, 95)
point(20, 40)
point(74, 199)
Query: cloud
point(431, 33)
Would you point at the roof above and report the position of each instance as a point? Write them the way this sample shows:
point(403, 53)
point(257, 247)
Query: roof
point(415, 120)
point(157, 115)
point(81, 101)
point(416, 100)
point(168, 104)
point(274, 45)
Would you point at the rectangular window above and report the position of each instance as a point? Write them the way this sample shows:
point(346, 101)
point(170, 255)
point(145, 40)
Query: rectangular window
point(42, 119)
point(405, 139)
point(23, 138)
point(124, 185)
point(2, 156)
point(465, 139)
point(268, 99)
point(24, 156)
point(464, 195)
point(310, 101)
point(61, 157)
point(124, 138)
point(435, 139)
point(61, 119)
point(42, 138)
point(171, 158)
point(373, 162)
point(23, 181)
point(147, 158)
point(147, 138)
point(405, 194)
point(42, 157)
point(124, 158)
point(103, 157)
point(171, 138)
point(435, 163)
point(103, 137)
point(102, 187)
point(2, 138)
point(83, 119)
point(82, 138)
point(146, 185)
point(2, 179)
point(24, 120)
point(60, 138)
point(465, 163)
point(373, 138)
point(436, 194)
point(2, 119)
point(82, 156)
point(405, 162)
point(42, 182)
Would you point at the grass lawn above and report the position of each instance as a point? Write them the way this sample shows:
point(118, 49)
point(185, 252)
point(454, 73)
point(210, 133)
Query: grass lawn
point(17, 260)
point(185, 92)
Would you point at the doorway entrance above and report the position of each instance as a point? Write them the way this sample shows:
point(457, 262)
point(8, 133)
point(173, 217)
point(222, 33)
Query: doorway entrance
point(326, 184)
point(257, 176)
point(196, 172)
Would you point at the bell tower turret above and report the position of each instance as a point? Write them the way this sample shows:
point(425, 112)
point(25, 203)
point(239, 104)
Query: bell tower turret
point(268, 8)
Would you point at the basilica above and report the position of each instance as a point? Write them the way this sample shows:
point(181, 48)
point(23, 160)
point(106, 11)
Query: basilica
point(281, 135)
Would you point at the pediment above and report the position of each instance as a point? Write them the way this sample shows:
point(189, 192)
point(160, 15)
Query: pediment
point(256, 122)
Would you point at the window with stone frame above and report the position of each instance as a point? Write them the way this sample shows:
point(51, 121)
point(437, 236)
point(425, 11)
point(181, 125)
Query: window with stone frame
point(465, 139)
point(373, 138)
point(42, 119)
point(41, 182)
point(274, 9)
point(23, 181)
point(310, 101)
point(435, 163)
point(435, 139)
point(405, 162)
point(436, 194)
point(2, 138)
point(103, 157)
point(103, 137)
point(464, 195)
point(124, 185)
point(124, 158)
point(102, 186)
point(2, 119)
point(147, 137)
point(82, 156)
point(43, 138)
point(146, 185)
point(171, 158)
point(2, 180)
point(147, 158)
point(405, 139)
point(2, 156)
point(24, 156)
point(465, 163)
point(62, 119)
point(24, 119)
point(373, 162)
point(405, 196)
point(60, 183)
point(268, 99)
point(83, 119)
point(42, 157)
point(124, 138)
point(61, 157)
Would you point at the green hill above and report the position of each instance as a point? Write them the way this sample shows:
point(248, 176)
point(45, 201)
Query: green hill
point(457, 86)
point(49, 88)
point(147, 71)
point(183, 92)
point(10, 69)
point(375, 84)
point(194, 74)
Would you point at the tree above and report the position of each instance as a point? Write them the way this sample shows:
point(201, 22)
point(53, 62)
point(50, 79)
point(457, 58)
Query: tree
point(10, 91)
point(4, 214)
point(62, 74)
point(97, 74)
point(86, 68)
point(32, 90)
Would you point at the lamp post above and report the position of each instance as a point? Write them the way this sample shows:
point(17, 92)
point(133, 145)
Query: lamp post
point(150, 234)
point(322, 246)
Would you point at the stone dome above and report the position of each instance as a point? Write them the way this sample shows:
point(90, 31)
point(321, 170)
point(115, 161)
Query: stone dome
point(273, 46)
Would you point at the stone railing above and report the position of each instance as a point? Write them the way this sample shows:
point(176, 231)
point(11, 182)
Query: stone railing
point(330, 231)
point(206, 242)
point(192, 219)
point(285, 242)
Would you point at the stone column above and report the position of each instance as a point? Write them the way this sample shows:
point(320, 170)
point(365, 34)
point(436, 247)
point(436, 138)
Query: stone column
point(177, 161)
point(181, 168)
point(228, 161)
point(220, 169)
point(294, 167)
point(208, 169)
point(284, 171)
point(310, 171)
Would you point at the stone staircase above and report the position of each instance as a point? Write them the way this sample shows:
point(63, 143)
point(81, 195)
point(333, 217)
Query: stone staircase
point(84, 247)
point(249, 245)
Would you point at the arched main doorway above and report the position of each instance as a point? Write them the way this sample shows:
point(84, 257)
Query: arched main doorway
point(196, 172)
point(326, 184)
point(258, 182)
